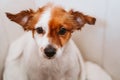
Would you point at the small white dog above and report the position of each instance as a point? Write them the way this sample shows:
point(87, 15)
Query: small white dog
point(46, 51)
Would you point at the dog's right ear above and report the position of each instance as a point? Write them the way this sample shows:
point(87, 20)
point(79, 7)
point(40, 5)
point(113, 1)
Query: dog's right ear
point(21, 18)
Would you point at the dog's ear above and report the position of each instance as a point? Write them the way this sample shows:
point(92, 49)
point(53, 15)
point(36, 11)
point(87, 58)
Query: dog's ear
point(82, 19)
point(21, 18)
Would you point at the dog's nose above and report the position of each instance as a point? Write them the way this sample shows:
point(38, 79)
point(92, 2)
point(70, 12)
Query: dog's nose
point(50, 51)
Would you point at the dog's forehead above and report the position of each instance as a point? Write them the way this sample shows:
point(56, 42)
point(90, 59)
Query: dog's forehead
point(50, 14)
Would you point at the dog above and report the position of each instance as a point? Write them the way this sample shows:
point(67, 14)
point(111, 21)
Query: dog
point(46, 50)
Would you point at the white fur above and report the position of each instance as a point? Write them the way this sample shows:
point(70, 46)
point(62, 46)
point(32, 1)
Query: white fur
point(23, 62)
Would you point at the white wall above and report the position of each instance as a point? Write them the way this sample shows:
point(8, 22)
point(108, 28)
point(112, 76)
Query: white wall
point(112, 39)
point(3, 46)
point(99, 43)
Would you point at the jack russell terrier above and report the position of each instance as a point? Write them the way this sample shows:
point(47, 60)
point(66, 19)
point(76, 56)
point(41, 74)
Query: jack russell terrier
point(46, 50)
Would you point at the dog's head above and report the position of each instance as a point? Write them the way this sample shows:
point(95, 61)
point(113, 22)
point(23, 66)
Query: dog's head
point(51, 26)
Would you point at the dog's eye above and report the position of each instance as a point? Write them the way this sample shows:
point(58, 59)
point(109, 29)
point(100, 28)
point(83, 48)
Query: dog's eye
point(40, 30)
point(62, 31)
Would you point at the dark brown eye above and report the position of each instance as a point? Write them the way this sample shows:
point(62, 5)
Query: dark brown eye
point(62, 31)
point(40, 30)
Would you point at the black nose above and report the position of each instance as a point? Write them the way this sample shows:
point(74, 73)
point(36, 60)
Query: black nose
point(50, 51)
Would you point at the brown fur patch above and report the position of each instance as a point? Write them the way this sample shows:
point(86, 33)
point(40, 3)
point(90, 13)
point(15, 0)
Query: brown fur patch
point(60, 18)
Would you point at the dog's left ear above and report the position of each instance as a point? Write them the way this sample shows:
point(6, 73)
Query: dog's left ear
point(21, 18)
point(82, 19)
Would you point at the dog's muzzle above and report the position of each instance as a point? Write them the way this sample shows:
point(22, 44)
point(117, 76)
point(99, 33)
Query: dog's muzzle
point(50, 51)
